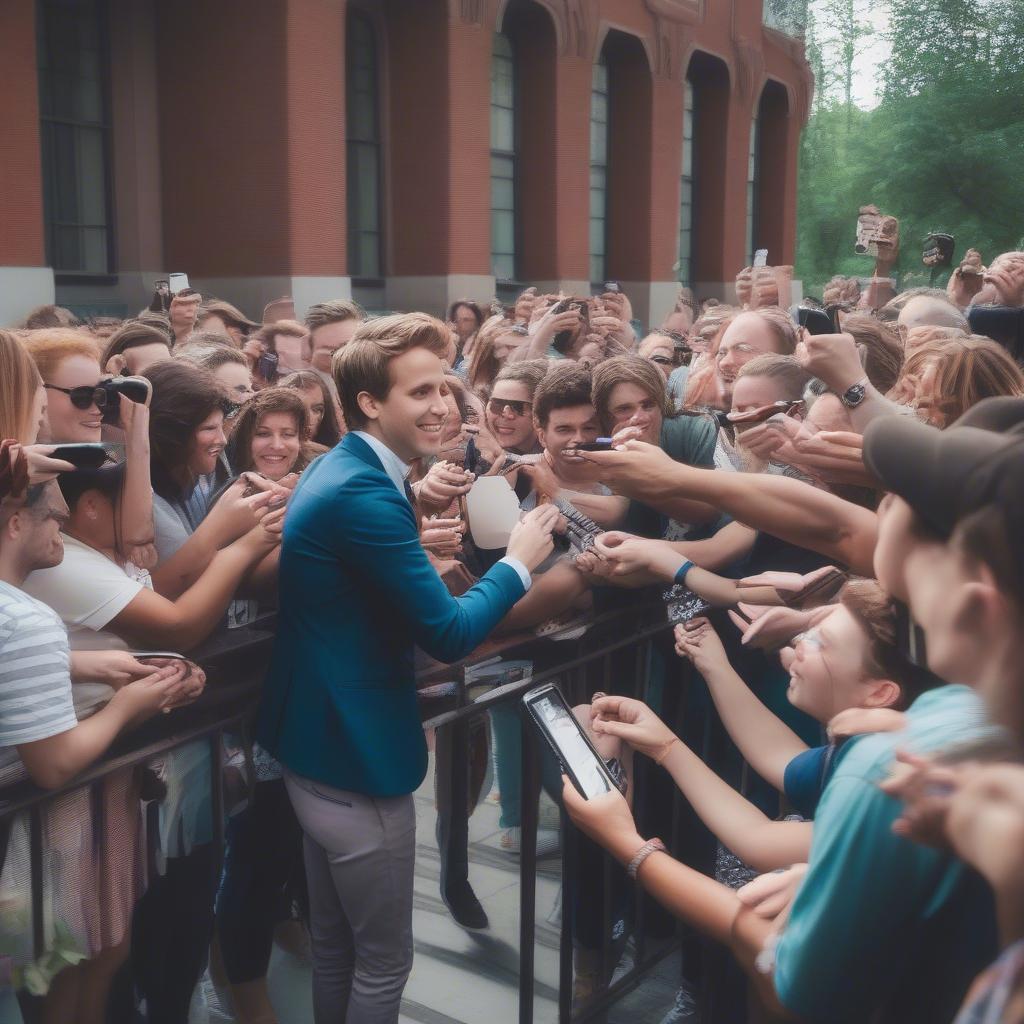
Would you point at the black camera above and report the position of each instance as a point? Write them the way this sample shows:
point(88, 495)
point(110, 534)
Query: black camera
point(136, 389)
point(938, 250)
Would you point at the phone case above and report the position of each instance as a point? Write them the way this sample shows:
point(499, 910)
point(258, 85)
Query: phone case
point(553, 747)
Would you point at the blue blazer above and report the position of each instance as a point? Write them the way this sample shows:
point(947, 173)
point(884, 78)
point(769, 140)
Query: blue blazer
point(356, 594)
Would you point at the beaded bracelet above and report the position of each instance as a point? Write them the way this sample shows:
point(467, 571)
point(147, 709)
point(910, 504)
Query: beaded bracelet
point(651, 846)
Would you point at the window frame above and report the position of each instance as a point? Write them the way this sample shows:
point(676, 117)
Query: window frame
point(508, 156)
point(48, 176)
point(600, 63)
point(354, 226)
point(686, 188)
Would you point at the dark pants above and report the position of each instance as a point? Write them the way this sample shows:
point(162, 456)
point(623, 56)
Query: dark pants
point(263, 855)
point(171, 931)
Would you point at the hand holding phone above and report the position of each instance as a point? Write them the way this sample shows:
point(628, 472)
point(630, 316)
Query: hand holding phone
point(554, 720)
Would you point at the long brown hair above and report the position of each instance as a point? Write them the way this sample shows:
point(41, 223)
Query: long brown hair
point(268, 401)
point(329, 432)
point(184, 395)
point(19, 381)
point(483, 364)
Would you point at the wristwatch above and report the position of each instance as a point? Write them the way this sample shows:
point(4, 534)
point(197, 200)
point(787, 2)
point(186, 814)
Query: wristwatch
point(855, 394)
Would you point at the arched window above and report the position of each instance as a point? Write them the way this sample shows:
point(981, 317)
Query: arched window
point(503, 159)
point(685, 265)
point(74, 128)
point(753, 173)
point(598, 170)
point(362, 138)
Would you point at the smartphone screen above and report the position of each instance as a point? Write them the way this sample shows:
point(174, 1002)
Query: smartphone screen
point(177, 283)
point(556, 721)
point(602, 444)
point(761, 258)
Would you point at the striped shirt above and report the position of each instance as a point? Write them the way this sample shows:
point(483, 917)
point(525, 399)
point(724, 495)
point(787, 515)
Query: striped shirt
point(35, 671)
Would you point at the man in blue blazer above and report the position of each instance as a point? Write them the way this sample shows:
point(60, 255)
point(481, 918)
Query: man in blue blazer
point(357, 593)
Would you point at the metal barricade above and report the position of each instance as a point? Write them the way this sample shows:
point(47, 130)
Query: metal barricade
point(627, 652)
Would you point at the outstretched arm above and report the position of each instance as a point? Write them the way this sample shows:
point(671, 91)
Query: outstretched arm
point(789, 509)
point(765, 742)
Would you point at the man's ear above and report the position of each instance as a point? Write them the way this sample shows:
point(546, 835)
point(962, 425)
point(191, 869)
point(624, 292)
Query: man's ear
point(539, 430)
point(978, 605)
point(369, 405)
point(884, 693)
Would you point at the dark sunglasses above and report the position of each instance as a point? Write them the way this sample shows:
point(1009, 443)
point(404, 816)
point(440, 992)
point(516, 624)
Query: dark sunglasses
point(663, 360)
point(497, 406)
point(84, 396)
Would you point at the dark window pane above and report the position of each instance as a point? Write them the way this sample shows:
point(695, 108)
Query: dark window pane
point(363, 145)
point(503, 164)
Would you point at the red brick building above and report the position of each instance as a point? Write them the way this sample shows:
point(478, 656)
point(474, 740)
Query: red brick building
point(406, 152)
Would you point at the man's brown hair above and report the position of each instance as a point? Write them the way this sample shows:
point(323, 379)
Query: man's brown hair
point(529, 372)
point(875, 613)
point(627, 370)
point(790, 376)
point(564, 387)
point(363, 364)
point(335, 312)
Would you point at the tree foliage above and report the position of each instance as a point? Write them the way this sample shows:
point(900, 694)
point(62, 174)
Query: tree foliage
point(942, 151)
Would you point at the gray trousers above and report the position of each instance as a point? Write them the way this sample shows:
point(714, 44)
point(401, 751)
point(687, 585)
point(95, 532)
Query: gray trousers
point(359, 852)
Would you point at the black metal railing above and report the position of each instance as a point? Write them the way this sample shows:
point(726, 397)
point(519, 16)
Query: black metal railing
point(625, 652)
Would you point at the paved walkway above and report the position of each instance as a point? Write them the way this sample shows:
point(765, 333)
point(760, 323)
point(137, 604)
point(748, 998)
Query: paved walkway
point(472, 977)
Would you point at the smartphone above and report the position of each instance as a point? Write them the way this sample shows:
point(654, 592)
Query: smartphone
point(816, 321)
point(602, 444)
point(761, 258)
point(822, 591)
point(177, 283)
point(85, 455)
point(764, 412)
point(152, 655)
point(266, 365)
point(563, 339)
point(613, 287)
point(557, 724)
point(938, 249)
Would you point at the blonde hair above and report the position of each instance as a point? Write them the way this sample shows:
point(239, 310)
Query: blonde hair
point(363, 364)
point(19, 380)
point(49, 348)
point(483, 365)
point(790, 376)
point(967, 370)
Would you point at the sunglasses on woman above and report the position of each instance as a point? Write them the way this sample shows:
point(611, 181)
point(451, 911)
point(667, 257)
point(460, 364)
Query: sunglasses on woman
point(85, 396)
point(497, 406)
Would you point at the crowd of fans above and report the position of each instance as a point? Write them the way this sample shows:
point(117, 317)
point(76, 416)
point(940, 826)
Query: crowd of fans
point(817, 471)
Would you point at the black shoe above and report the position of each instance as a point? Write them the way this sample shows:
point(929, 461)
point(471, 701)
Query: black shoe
point(465, 908)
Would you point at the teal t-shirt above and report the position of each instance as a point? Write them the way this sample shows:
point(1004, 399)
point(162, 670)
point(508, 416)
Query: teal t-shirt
point(882, 925)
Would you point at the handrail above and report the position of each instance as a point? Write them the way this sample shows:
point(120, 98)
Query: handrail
point(235, 661)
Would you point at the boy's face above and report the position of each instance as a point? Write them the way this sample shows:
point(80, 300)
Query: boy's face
point(567, 428)
point(411, 418)
point(826, 667)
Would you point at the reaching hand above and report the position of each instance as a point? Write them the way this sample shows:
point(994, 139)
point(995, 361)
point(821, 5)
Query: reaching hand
point(832, 358)
point(771, 896)
point(860, 721)
point(698, 641)
point(606, 819)
point(530, 541)
point(442, 537)
point(632, 721)
point(41, 467)
point(155, 692)
point(443, 483)
point(772, 628)
point(926, 790)
point(193, 684)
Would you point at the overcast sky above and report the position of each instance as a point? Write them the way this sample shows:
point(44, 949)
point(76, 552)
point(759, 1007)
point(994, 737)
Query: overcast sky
point(872, 50)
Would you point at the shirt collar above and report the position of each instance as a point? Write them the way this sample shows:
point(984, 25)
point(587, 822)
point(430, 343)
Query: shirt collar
point(395, 468)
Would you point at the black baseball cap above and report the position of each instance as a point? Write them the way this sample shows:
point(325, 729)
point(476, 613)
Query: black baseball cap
point(946, 475)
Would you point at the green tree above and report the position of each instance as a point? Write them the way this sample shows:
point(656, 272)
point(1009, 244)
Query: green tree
point(942, 149)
